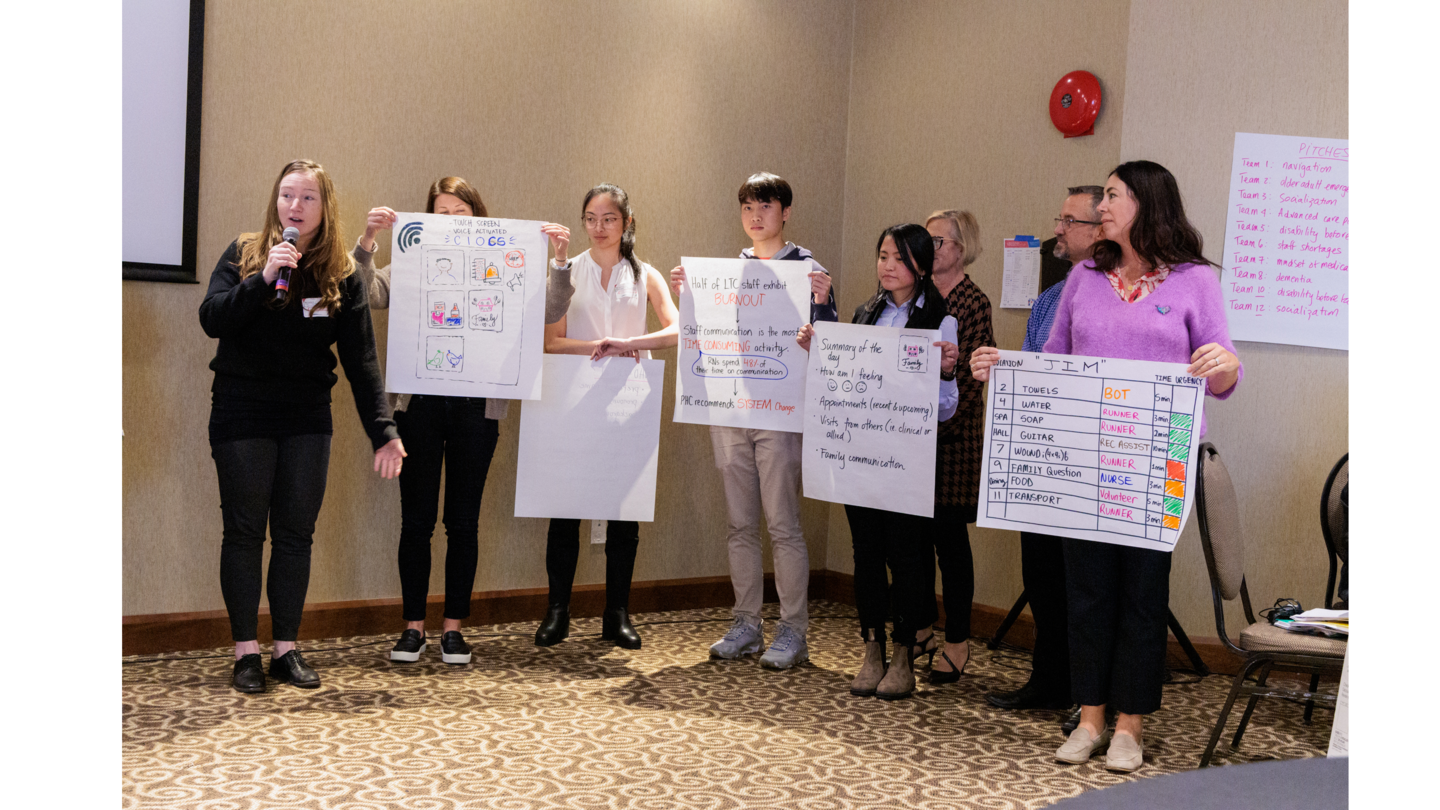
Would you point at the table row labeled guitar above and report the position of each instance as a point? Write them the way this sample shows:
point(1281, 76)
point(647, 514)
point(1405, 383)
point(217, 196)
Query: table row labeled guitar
point(1090, 447)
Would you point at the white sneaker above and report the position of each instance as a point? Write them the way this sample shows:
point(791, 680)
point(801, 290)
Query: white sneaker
point(788, 650)
point(742, 639)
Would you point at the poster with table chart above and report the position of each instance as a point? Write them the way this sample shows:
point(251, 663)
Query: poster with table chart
point(1092, 448)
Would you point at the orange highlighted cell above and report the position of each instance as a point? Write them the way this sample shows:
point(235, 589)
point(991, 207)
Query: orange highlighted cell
point(1175, 489)
point(1175, 470)
point(1172, 522)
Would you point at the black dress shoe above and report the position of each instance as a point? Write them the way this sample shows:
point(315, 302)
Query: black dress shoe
point(1072, 721)
point(555, 627)
point(291, 667)
point(1028, 696)
point(249, 674)
point(615, 626)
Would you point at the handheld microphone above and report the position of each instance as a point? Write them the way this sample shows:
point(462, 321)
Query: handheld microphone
point(282, 281)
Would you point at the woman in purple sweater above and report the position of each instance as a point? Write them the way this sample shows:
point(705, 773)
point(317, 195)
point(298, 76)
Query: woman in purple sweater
point(1149, 294)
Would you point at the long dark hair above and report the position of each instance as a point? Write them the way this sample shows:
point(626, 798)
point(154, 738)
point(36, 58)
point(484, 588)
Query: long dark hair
point(917, 251)
point(325, 264)
point(456, 187)
point(627, 237)
point(1160, 232)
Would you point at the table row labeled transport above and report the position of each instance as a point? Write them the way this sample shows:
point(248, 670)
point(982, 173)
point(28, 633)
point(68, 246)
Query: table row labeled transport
point(1092, 448)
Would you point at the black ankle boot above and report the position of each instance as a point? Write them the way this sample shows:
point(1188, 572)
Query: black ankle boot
point(616, 627)
point(555, 627)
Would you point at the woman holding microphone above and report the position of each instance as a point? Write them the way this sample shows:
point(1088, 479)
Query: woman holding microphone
point(457, 433)
point(1147, 294)
point(606, 318)
point(278, 300)
point(905, 297)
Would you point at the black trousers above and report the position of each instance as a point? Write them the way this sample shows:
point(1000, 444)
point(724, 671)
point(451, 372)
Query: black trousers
point(1042, 569)
point(451, 432)
point(957, 568)
point(905, 545)
point(282, 482)
point(1119, 600)
point(562, 553)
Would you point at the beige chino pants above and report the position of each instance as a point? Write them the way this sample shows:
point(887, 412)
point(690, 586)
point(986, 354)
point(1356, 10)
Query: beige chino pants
point(761, 470)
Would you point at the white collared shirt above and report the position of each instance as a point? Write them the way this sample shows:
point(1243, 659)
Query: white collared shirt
point(596, 312)
point(949, 330)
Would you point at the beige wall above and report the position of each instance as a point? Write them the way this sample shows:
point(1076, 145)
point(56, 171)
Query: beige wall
point(676, 102)
point(1194, 79)
point(878, 113)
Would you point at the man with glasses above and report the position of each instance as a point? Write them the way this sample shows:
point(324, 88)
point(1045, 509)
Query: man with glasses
point(1042, 563)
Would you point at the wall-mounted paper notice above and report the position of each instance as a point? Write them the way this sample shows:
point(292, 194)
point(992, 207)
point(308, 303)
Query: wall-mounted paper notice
point(1287, 241)
point(1021, 284)
point(871, 403)
point(589, 448)
point(467, 307)
point(739, 363)
point(1091, 447)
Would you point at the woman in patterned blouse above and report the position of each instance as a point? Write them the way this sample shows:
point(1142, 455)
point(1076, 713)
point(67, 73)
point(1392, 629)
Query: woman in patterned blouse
point(959, 453)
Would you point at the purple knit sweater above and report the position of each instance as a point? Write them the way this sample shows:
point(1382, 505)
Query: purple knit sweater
point(1184, 313)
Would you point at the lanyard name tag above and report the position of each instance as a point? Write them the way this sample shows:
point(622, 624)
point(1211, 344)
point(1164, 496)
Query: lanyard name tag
point(311, 310)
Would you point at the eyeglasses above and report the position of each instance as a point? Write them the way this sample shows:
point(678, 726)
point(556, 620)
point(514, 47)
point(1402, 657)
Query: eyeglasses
point(939, 241)
point(1067, 222)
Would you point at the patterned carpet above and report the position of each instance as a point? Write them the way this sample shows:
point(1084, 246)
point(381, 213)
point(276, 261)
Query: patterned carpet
point(584, 725)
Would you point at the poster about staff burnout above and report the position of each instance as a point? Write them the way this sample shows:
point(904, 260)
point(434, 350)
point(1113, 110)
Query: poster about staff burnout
point(1092, 448)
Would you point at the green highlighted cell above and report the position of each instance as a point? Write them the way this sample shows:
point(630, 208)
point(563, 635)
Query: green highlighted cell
point(1174, 506)
point(1180, 452)
point(1181, 420)
point(1179, 436)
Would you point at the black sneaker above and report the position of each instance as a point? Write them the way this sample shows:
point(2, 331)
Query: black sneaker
point(453, 649)
point(409, 647)
point(249, 674)
point(291, 667)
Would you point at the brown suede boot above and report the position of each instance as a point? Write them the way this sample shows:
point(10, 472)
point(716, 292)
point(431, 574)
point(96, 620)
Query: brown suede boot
point(899, 681)
point(871, 670)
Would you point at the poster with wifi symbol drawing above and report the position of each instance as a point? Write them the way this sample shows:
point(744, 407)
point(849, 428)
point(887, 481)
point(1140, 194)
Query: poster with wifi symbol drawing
point(466, 307)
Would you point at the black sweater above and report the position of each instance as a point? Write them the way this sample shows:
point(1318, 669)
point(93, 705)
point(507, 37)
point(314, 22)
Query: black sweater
point(274, 360)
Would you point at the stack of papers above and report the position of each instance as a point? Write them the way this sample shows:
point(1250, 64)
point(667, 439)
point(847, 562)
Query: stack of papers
point(1319, 621)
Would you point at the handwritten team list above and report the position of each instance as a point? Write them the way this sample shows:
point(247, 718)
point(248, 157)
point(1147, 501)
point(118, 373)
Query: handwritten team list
point(871, 406)
point(739, 363)
point(1287, 241)
point(1090, 447)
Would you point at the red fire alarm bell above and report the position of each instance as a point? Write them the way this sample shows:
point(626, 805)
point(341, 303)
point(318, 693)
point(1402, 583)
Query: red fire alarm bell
point(1075, 103)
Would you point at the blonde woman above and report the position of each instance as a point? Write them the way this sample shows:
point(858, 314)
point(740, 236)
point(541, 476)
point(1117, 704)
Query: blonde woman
point(270, 422)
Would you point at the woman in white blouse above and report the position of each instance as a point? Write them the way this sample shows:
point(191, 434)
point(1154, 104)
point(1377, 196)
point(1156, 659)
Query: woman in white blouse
point(906, 297)
point(606, 318)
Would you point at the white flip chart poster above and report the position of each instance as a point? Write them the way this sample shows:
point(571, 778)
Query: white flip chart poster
point(1287, 241)
point(871, 406)
point(590, 446)
point(1091, 447)
point(739, 363)
point(467, 307)
point(1021, 283)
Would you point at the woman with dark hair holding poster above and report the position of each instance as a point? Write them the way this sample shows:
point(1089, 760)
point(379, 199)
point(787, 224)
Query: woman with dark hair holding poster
point(456, 433)
point(606, 318)
point(905, 297)
point(1149, 295)
point(270, 422)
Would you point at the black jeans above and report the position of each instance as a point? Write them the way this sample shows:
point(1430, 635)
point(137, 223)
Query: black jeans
point(1042, 569)
point(1119, 600)
point(562, 554)
point(283, 481)
point(904, 544)
point(957, 569)
point(451, 432)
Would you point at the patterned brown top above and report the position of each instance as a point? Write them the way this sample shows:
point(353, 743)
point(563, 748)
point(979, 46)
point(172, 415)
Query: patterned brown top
point(960, 452)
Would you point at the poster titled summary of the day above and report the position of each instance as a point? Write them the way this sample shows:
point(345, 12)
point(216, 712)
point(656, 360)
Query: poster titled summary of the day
point(1287, 241)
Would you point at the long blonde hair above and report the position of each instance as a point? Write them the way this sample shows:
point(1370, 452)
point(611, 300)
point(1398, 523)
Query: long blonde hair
point(327, 261)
